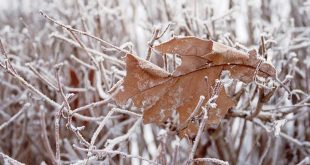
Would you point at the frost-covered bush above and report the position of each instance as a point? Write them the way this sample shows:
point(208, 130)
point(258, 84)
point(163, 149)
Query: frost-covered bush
point(61, 58)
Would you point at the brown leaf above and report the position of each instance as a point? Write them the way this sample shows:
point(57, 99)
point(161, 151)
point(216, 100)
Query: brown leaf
point(160, 93)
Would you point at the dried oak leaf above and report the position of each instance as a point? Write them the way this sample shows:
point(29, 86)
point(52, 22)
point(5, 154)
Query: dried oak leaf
point(160, 93)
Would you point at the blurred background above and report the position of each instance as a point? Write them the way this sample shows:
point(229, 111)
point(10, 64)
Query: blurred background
point(34, 45)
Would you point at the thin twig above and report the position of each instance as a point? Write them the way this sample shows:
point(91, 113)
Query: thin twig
point(82, 62)
point(77, 132)
point(7, 60)
point(197, 139)
point(95, 52)
point(99, 128)
point(58, 68)
point(43, 96)
point(10, 160)
point(283, 135)
point(127, 112)
point(164, 31)
point(44, 135)
point(175, 155)
point(73, 35)
point(91, 105)
point(112, 142)
point(213, 160)
point(104, 75)
point(306, 160)
point(210, 104)
point(294, 108)
point(155, 37)
point(12, 119)
point(83, 33)
point(41, 77)
point(57, 136)
point(191, 117)
point(112, 152)
point(151, 42)
point(261, 160)
point(262, 98)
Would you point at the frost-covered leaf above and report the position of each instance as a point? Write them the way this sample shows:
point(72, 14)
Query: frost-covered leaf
point(160, 93)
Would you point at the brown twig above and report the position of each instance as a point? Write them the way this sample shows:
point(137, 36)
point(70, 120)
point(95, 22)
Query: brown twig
point(46, 142)
point(191, 117)
point(155, 37)
point(210, 104)
point(262, 99)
